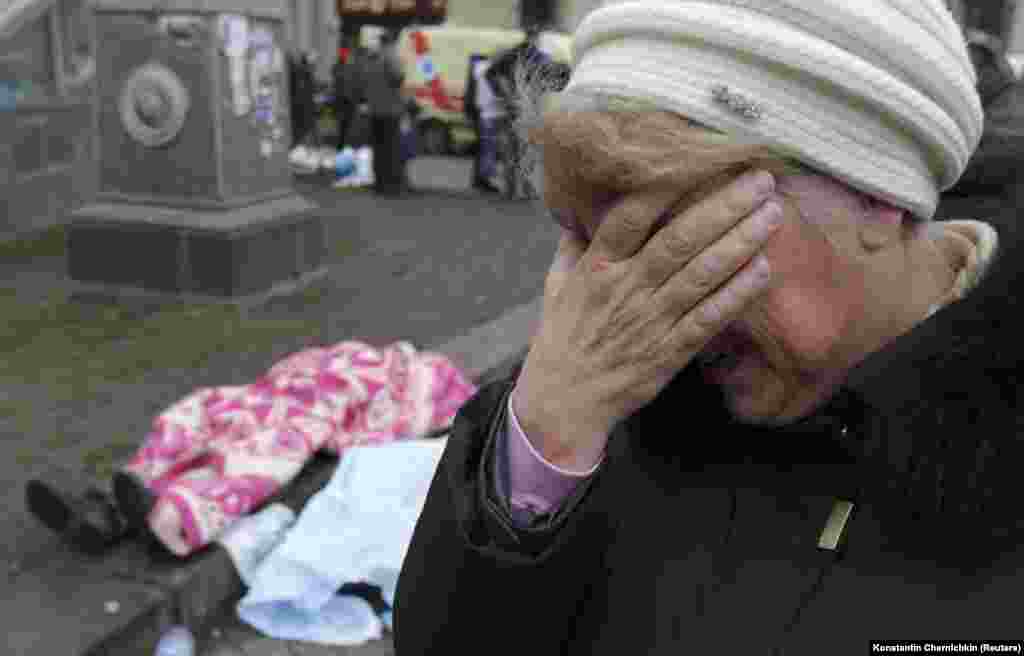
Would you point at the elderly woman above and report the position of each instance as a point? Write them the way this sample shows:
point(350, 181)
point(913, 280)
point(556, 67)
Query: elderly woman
point(713, 444)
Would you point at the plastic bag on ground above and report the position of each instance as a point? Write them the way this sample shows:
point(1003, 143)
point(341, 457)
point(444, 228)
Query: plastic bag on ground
point(362, 176)
point(345, 163)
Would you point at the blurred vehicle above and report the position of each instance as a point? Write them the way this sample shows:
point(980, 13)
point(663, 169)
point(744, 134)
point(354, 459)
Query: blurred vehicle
point(436, 62)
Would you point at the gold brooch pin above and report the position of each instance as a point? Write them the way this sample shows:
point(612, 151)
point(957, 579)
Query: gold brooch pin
point(836, 524)
point(738, 103)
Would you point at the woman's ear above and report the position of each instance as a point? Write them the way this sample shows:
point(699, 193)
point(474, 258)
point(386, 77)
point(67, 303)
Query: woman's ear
point(968, 247)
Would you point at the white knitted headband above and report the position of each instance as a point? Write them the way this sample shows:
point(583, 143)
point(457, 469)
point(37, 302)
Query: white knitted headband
point(877, 93)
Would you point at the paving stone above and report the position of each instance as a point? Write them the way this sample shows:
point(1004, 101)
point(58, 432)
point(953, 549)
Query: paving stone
point(63, 600)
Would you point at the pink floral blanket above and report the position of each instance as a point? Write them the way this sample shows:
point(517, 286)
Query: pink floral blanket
point(221, 452)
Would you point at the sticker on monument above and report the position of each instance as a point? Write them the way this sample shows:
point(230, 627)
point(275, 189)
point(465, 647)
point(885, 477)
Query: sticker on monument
point(263, 59)
point(235, 33)
point(264, 80)
point(263, 105)
point(261, 37)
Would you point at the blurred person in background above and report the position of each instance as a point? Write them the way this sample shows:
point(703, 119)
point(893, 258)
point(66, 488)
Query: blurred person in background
point(409, 138)
point(387, 104)
point(472, 113)
point(342, 104)
point(351, 90)
point(485, 110)
point(302, 85)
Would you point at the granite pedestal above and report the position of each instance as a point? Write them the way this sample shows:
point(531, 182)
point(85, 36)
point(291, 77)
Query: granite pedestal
point(237, 255)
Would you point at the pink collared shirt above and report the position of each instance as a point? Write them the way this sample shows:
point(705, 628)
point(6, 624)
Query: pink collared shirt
point(535, 486)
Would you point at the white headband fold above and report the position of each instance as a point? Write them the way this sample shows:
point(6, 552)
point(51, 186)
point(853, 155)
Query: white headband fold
point(877, 93)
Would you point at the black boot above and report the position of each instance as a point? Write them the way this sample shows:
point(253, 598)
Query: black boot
point(134, 500)
point(80, 513)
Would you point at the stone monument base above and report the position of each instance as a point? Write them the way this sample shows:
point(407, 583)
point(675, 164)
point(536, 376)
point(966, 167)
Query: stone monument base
point(237, 256)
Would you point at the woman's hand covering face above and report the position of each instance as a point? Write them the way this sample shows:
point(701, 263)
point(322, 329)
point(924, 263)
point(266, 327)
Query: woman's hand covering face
point(626, 312)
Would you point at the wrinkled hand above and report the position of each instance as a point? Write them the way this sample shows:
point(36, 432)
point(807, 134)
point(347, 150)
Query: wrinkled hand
point(622, 315)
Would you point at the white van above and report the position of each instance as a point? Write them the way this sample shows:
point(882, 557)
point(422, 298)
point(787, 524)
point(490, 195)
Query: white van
point(436, 62)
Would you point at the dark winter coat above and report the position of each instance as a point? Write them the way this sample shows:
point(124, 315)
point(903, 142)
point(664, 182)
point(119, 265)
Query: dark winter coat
point(700, 536)
point(383, 82)
point(353, 76)
point(302, 87)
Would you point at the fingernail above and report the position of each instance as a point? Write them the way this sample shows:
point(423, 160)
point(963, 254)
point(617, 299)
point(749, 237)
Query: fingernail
point(762, 269)
point(766, 219)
